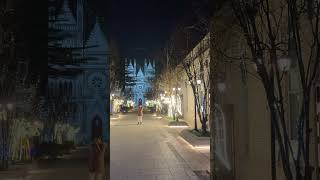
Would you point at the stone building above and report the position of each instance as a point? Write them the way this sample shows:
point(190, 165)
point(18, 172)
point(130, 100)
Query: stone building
point(142, 78)
point(243, 124)
point(87, 92)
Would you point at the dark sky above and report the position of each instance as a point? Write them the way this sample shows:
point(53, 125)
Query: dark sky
point(142, 24)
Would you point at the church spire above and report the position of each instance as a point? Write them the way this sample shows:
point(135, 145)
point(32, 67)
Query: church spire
point(65, 16)
point(97, 41)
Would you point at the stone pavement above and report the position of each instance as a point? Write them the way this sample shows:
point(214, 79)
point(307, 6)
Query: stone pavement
point(72, 167)
point(152, 151)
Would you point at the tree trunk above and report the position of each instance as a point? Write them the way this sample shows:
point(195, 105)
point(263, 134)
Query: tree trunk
point(195, 114)
point(212, 105)
point(273, 153)
point(308, 170)
point(204, 126)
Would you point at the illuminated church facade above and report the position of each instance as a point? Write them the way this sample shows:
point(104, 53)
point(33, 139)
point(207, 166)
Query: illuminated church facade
point(88, 90)
point(142, 77)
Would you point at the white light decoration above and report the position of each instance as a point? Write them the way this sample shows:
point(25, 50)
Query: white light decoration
point(179, 89)
point(166, 100)
point(222, 86)
point(284, 64)
point(173, 89)
point(198, 81)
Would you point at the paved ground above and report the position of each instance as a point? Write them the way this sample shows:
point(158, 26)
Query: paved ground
point(152, 151)
point(72, 167)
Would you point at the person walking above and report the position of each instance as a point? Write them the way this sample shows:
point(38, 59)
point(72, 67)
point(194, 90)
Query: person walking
point(96, 159)
point(140, 114)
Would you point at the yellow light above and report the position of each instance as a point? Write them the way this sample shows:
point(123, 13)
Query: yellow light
point(178, 126)
point(205, 147)
point(202, 147)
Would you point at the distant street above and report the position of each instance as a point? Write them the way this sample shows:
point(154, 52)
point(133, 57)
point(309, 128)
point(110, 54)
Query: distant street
point(152, 151)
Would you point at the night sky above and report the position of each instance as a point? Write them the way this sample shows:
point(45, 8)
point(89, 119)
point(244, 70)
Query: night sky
point(141, 25)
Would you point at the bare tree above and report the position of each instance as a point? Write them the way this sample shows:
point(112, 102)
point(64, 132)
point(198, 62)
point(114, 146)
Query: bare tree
point(196, 67)
point(263, 24)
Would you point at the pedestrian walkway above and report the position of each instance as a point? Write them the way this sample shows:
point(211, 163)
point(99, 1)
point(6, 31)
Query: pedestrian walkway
point(152, 151)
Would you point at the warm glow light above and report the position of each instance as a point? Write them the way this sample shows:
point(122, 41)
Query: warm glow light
point(179, 89)
point(202, 147)
point(178, 126)
point(198, 81)
point(207, 147)
point(173, 89)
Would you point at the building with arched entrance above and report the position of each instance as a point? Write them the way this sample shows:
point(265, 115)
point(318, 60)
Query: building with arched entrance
point(142, 77)
point(82, 85)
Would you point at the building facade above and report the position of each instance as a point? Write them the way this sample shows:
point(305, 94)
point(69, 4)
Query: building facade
point(141, 78)
point(87, 91)
point(242, 122)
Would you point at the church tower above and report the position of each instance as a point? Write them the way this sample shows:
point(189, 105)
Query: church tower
point(66, 22)
point(96, 83)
